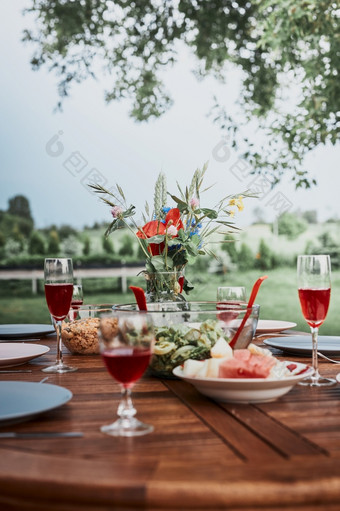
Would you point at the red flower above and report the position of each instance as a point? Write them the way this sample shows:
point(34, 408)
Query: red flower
point(152, 229)
point(175, 216)
point(156, 227)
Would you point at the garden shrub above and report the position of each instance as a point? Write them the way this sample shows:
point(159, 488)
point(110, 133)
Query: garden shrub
point(229, 246)
point(107, 245)
point(36, 244)
point(246, 259)
point(290, 225)
point(53, 246)
point(264, 257)
point(86, 246)
point(126, 248)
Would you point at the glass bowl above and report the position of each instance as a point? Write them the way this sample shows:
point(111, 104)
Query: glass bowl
point(190, 329)
point(80, 329)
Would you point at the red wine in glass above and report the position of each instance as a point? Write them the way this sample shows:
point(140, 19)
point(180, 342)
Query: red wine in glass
point(77, 296)
point(314, 289)
point(58, 275)
point(58, 296)
point(126, 351)
point(127, 365)
point(314, 305)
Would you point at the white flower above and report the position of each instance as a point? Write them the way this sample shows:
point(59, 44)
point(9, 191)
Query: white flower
point(172, 231)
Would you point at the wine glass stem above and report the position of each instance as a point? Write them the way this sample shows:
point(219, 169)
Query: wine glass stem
point(126, 410)
point(59, 360)
point(316, 374)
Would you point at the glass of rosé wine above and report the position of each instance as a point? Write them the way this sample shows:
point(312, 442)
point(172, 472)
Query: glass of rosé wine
point(58, 275)
point(126, 345)
point(314, 287)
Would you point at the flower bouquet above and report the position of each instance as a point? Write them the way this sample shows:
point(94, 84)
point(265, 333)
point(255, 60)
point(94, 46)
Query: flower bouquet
point(172, 237)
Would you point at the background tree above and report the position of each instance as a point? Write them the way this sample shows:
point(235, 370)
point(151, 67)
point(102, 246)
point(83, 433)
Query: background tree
point(107, 245)
point(230, 247)
point(126, 248)
point(53, 247)
point(36, 244)
point(291, 225)
point(276, 43)
point(17, 220)
point(19, 206)
point(86, 246)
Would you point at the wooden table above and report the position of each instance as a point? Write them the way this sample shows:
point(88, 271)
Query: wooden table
point(202, 455)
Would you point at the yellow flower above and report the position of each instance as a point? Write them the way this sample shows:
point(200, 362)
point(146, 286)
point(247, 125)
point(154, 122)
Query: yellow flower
point(238, 202)
point(231, 213)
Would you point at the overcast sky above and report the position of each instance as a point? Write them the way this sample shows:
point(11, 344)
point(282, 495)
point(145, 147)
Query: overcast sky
point(50, 157)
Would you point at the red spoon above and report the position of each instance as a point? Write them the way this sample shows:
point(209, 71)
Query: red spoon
point(140, 297)
point(253, 295)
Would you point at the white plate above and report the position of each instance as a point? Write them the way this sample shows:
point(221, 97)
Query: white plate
point(24, 400)
point(250, 390)
point(12, 354)
point(25, 331)
point(302, 344)
point(269, 326)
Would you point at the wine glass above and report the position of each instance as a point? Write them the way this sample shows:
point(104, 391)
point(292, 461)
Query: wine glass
point(58, 291)
point(126, 344)
point(314, 287)
point(231, 295)
point(77, 296)
point(76, 302)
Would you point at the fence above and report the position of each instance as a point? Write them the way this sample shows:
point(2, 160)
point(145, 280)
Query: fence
point(80, 273)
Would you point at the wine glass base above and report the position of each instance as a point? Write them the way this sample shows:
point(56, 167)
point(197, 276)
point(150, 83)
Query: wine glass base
point(125, 427)
point(318, 382)
point(59, 369)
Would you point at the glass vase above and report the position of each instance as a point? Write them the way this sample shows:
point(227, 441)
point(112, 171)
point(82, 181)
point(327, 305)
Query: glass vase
point(164, 286)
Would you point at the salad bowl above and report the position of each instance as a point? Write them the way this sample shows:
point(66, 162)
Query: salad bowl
point(190, 329)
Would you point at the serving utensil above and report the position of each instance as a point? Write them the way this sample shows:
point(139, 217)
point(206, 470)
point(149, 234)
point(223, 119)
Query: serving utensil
point(140, 297)
point(253, 295)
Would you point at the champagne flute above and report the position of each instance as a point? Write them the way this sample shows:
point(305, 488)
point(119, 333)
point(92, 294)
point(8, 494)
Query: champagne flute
point(314, 287)
point(126, 350)
point(58, 291)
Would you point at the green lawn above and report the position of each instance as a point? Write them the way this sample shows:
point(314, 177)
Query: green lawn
point(277, 297)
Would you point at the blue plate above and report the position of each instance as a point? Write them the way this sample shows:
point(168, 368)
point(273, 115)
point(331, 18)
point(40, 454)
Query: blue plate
point(25, 331)
point(302, 344)
point(22, 401)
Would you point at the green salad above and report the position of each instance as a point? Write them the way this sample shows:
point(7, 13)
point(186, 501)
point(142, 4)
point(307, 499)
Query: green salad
point(177, 343)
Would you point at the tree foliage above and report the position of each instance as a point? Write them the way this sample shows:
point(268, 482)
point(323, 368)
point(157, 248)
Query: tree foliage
point(276, 43)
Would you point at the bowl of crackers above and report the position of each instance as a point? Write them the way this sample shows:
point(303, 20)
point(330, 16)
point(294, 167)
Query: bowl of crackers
point(80, 328)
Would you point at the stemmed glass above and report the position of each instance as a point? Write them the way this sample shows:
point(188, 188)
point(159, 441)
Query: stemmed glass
point(231, 295)
point(77, 296)
point(58, 291)
point(314, 286)
point(126, 349)
point(77, 301)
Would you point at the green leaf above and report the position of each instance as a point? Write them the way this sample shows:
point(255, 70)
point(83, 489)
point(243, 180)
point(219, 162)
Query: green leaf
point(158, 263)
point(209, 213)
point(159, 238)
